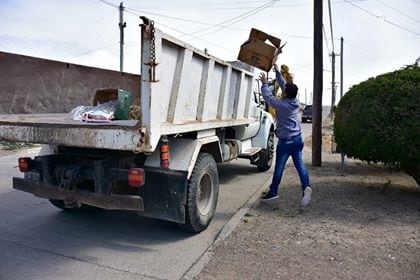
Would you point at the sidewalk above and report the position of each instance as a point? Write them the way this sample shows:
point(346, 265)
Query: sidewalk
point(364, 225)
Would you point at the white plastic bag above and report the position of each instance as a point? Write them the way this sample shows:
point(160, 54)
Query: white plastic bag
point(100, 113)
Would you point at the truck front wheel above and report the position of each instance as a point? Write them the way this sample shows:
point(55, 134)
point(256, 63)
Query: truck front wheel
point(203, 191)
point(267, 155)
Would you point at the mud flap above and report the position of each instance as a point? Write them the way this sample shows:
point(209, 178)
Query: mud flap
point(164, 194)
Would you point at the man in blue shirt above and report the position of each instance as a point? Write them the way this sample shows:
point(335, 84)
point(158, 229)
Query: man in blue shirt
point(288, 132)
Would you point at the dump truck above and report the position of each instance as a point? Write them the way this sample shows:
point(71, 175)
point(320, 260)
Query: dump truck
point(196, 111)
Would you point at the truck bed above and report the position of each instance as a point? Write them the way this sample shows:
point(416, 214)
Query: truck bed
point(57, 119)
point(57, 129)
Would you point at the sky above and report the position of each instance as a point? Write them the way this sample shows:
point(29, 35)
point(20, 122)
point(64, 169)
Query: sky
point(379, 35)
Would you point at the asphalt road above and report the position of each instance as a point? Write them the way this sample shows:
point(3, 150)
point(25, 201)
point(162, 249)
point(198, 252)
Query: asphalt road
point(39, 241)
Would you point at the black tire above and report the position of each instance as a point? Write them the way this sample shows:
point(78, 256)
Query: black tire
point(303, 120)
point(60, 204)
point(267, 155)
point(202, 194)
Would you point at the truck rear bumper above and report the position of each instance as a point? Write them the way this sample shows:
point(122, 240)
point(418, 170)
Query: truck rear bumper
point(110, 202)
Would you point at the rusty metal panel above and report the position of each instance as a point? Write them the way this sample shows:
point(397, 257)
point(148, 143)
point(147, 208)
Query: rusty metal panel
point(36, 85)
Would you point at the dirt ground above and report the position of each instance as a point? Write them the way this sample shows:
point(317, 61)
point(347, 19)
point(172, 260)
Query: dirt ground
point(364, 225)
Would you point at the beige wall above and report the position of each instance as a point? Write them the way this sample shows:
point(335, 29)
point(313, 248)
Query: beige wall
point(34, 85)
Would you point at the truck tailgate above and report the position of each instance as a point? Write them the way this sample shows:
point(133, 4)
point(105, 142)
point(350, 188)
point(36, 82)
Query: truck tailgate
point(57, 129)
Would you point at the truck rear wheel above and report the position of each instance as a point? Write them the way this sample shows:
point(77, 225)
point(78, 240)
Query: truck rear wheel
point(203, 190)
point(60, 204)
point(267, 155)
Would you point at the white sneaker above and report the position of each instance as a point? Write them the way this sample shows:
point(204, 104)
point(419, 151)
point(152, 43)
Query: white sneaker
point(306, 196)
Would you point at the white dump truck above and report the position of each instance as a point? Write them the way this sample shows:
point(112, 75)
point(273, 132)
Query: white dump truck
point(196, 111)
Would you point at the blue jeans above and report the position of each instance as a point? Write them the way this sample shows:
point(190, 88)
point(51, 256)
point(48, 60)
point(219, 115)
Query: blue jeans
point(285, 148)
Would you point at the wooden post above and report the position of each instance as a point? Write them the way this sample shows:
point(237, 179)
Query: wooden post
point(318, 84)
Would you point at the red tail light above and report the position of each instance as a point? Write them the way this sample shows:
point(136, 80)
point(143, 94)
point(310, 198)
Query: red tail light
point(164, 154)
point(24, 164)
point(136, 177)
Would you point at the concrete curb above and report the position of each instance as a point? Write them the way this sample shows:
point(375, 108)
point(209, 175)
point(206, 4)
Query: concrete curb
point(226, 230)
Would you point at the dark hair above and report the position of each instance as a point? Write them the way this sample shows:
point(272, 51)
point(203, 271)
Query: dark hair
point(291, 90)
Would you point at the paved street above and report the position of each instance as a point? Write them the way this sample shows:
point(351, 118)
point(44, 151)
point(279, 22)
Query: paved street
point(39, 241)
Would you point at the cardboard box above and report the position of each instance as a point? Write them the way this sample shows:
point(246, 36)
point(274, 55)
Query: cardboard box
point(259, 53)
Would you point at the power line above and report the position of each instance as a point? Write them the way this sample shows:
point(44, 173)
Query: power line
point(347, 42)
point(167, 16)
point(110, 4)
point(94, 50)
point(205, 41)
point(72, 35)
point(239, 18)
point(186, 34)
point(208, 7)
point(332, 33)
point(326, 41)
point(384, 19)
point(136, 11)
point(401, 13)
point(136, 14)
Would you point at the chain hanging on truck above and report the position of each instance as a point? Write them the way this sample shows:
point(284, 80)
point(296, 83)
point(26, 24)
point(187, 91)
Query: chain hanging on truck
point(149, 28)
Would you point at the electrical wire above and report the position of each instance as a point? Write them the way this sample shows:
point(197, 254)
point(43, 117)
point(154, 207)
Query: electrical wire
point(223, 6)
point(326, 41)
point(182, 32)
point(137, 12)
point(205, 41)
point(94, 50)
point(401, 13)
point(63, 43)
point(110, 4)
point(186, 34)
point(383, 18)
point(238, 18)
point(331, 27)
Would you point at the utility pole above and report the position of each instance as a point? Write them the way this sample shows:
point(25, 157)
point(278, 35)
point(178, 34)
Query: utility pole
point(318, 84)
point(122, 25)
point(341, 68)
point(343, 165)
point(333, 54)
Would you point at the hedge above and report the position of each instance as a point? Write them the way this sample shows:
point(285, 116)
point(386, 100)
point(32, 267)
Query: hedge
point(378, 120)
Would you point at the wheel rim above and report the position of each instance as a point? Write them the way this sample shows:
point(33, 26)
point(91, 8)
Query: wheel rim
point(205, 194)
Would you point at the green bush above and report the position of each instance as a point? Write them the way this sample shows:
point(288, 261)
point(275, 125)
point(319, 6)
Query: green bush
point(378, 120)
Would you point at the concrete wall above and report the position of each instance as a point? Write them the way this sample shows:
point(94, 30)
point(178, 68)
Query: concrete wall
point(34, 85)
